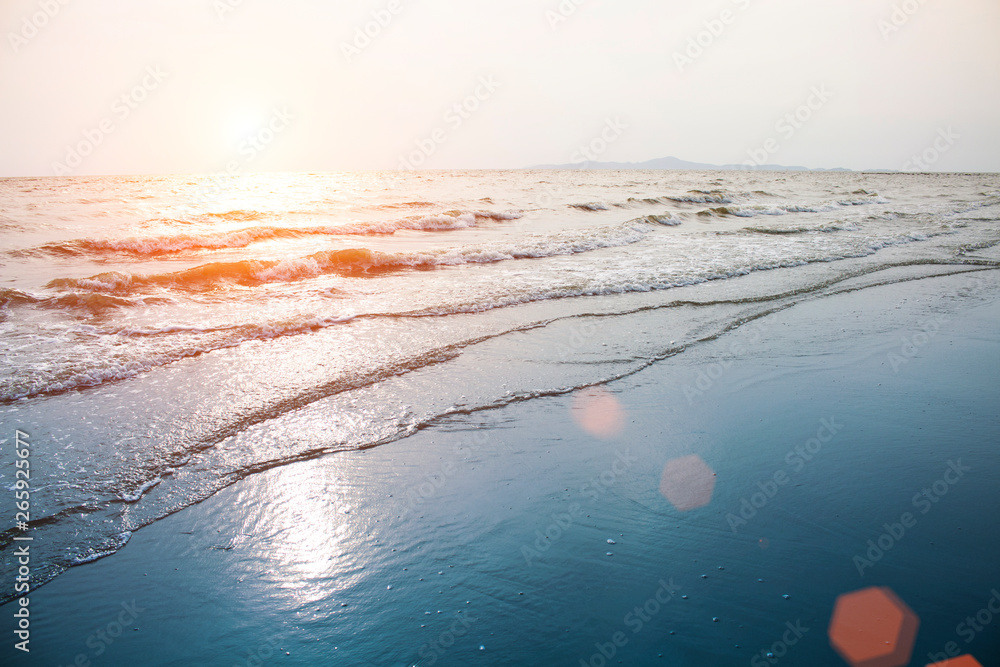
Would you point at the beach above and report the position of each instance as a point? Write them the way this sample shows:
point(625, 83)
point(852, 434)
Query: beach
point(516, 536)
point(449, 334)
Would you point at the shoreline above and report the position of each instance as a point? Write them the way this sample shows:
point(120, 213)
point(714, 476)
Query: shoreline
point(270, 560)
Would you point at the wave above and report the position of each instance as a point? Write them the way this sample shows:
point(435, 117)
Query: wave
point(241, 238)
point(741, 211)
point(94, 303)
point(361, 262)
point(237, 215)
point(975, 247)
point(9, 224)
point(863, 202)
point(865, 197)
point(404, 205)
point(654, 201)
point(668, 219)
point(10, 296)
point(752, 211)
point(113, 545)
point(741, 204)
point(122, 364)
point(779, 231)
point(691, 197)
point(701, 197)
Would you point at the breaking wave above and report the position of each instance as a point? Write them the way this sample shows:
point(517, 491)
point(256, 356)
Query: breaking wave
point(362, 262)
point(155, 245)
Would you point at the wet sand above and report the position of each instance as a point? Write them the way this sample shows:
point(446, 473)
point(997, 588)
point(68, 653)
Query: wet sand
point(516, 536)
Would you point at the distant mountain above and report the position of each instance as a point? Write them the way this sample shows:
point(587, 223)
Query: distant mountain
point(675, 163)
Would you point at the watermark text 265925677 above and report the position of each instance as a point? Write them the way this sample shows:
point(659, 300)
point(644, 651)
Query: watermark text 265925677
point(22, 501)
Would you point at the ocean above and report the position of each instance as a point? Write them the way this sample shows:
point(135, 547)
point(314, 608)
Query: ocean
point(165, 338)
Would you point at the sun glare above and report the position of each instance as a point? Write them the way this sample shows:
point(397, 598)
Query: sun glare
point(243, 124)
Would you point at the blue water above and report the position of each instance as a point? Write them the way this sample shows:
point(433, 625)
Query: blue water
point(352, 559)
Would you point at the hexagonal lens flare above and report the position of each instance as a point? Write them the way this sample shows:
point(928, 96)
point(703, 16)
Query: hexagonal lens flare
point(960, 661)
point(872, 627)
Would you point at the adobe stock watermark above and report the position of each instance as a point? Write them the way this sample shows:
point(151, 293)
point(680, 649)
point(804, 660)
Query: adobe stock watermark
point(788, 125)
point(562, 13)
point(223, 7)
point(256, 658)
point(943, 142)
point(923, 501)
point(255, 143)
point(563, 521)
point(454, 118)
point(635, 620)
point(251, 146)
point(592, 151)
point(105, 636)
point(432, 651)
point(365, 34)
point(121, 109)
point(796, 460)
point(714, 29)
point(22, 517)
point(434, 481)
point(578, 337)
point(31, 25)
point(970, 628)
point(712, 373)
point(900, 16)
point(912, 344)
point(779, 649)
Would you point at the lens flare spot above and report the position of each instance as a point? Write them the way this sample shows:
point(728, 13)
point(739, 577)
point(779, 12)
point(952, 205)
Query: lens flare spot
point(598, 412)
point(960, 661)
point(688, 483)
point(872, 627)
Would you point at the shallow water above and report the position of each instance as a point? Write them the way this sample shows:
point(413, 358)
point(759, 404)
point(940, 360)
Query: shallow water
point(483, 539)
point(165, 337)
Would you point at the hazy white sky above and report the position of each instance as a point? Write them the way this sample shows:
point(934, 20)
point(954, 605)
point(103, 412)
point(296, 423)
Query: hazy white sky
point(177, 86)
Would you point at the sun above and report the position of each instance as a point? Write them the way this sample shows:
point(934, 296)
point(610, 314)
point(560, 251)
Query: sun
point(244, 123)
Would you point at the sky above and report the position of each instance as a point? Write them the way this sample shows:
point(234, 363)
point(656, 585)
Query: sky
point(203, 86)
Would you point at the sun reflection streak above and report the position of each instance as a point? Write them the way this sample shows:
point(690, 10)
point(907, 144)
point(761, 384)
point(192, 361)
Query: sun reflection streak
point(316, 546)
